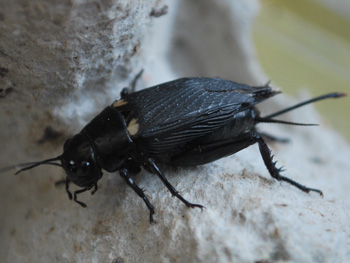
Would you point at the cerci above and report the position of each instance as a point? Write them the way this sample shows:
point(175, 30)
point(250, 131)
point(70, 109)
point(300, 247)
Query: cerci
point(185, 122)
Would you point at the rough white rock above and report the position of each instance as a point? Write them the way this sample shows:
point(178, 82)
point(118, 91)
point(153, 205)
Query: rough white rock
point(248, 216)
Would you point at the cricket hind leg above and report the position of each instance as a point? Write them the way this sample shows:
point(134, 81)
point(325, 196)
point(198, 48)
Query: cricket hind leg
point(271, 166)
point(207, 152)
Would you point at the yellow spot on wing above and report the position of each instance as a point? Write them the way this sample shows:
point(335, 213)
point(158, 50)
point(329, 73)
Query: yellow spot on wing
point(119, 103)
point(133, 127)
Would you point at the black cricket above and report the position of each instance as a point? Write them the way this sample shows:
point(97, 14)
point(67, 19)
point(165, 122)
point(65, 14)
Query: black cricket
point(185, 122)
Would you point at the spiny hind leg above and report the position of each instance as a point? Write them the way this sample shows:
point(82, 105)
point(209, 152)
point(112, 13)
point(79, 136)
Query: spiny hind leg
point(271, 166)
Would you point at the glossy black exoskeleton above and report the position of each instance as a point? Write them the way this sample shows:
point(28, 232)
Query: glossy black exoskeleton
point(185, 122)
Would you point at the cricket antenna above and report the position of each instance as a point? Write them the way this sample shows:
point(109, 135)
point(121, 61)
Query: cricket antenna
point(27, 166)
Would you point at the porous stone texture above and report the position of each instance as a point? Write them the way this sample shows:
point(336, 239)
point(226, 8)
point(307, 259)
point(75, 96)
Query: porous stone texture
point(63, 61)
